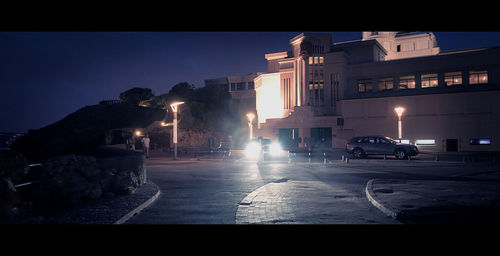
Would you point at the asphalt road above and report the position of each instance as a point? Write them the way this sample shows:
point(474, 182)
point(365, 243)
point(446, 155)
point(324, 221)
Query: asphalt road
point(244, 192)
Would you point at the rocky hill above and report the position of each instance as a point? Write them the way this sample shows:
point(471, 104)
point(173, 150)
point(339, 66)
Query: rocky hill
point(82, 131)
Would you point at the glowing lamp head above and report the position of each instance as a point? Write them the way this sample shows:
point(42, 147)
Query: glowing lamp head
point(250, 116)
point(399, 111)
point(175, 106)
point(138, 133)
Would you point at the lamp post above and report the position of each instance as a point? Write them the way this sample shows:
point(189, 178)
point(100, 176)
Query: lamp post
point(250, 117)
point(175, 107)
point(399, 111)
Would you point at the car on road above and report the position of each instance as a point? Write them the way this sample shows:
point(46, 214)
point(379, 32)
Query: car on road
point(263, 149)
point(362, 146)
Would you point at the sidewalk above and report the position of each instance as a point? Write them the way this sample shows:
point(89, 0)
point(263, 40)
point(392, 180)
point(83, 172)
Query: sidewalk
point(475, 201)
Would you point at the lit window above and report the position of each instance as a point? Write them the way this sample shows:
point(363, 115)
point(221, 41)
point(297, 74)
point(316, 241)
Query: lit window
point(316, 60)
point(364, 86)
point(385, 84)
point(429, 80)
point(425, 142)
point(478, 77)
point(452, 78)
point(321, 60)
point(407, 82)
point(480, 141)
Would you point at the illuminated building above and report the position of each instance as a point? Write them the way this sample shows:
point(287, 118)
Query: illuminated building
point(323, 93)
point(241, 89)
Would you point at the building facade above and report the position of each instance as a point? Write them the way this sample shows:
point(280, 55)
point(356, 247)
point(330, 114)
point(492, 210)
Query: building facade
point(242, 91)
point(321, 94)
point(241, 88)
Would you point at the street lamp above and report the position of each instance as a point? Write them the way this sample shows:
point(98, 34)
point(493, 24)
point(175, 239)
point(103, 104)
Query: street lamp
point(399, 111)
point(250, 117)
point(175, 107)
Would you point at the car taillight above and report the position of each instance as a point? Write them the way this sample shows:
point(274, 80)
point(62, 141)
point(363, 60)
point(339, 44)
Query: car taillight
point(347, 145)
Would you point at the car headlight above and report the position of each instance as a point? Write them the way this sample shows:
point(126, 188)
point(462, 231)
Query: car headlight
point(252, 150)
point(275, 149)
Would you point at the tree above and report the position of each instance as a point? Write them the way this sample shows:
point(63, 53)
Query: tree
point(182, 92)
point(136, 95)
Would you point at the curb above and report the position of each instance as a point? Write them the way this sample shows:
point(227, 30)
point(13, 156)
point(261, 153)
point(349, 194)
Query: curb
point(138, 209)
point(372, 198)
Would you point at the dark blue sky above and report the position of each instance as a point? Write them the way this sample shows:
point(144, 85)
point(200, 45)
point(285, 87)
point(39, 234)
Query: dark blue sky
point(45, 76)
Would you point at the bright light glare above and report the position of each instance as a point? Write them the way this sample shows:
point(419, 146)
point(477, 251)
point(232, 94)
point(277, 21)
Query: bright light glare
point(399, 110)
point(268, 100)
point(250, 116)
point(252, 150)
point(275, 149)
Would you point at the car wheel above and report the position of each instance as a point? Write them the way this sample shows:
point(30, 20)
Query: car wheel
point(358, 153)
point(400, 154)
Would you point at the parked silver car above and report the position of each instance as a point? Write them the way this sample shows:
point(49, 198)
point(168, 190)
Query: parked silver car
point(362, 146)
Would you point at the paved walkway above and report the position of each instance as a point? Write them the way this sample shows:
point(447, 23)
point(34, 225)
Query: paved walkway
point(306, 202)
point(438, 201)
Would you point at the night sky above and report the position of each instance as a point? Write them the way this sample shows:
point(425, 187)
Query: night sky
point(44, 76)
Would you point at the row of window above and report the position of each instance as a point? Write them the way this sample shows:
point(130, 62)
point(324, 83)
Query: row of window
point(426, 81)
point(316, 81)
point(242, 86)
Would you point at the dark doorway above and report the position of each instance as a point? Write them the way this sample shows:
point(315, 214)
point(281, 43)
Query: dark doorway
point(289, 137)
point(321, 137)
point(451, 145)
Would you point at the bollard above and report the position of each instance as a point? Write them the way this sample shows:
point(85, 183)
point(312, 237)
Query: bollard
point(309, 157)
point(289, 160)
point(343, 158)
point(347, 160)
point(324, 158)
point(409, 158)
point(295, 158)
point(437, 158)
point(385, 157)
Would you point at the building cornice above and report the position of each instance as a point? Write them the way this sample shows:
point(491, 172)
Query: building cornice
point(275, 56)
